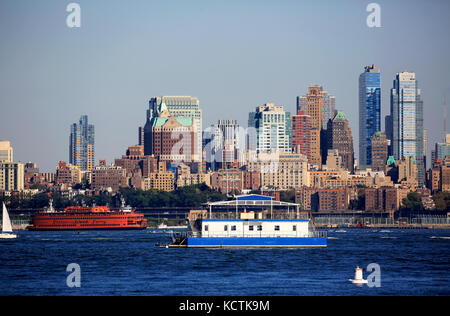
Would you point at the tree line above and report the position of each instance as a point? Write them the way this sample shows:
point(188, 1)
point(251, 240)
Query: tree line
point(189, 196)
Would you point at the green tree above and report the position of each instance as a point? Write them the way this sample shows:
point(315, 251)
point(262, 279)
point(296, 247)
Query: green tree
point(413, 202)
point(287, 196)
point(442, 201)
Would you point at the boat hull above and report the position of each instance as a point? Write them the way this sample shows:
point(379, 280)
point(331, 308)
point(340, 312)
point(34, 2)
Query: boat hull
point(8, 236)
point(83, 229)
point(86, 219)
point(246, 242)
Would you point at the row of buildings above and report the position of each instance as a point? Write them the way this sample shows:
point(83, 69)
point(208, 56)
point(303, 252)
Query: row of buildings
point(311, 151)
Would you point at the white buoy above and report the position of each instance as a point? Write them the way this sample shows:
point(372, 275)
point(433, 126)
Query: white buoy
point(358, 277)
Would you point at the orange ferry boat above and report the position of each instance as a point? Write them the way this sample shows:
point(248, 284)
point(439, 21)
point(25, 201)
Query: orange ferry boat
point(88, 218)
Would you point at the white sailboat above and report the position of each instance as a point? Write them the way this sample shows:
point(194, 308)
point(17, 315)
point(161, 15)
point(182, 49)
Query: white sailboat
point(7, 232)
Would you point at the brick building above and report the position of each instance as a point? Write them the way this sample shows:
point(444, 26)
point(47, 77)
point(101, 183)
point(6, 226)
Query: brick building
point(323, 200)
point(381, 199)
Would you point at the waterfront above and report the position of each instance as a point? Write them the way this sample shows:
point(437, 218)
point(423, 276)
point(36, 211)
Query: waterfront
point(413, 262)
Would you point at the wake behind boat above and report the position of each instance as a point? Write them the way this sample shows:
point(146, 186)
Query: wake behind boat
point(7, 232)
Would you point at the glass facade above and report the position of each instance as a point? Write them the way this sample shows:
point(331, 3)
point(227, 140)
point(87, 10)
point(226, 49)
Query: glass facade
point(407, 121)
point(369, 111)
point(82, 140)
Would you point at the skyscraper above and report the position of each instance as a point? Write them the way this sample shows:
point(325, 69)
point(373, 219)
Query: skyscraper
point(315, 99)
point(223, 144)
point(181, 106)
point(369, 111)
point(273, 128)
point(82, 144)
point(11, 176)
point(388, 129)
point(379, 152)
point(170, 138)
point(340, 138)
point(141, 135)
point(11, 173)
point(407, 121)
point(301, 134)
point(441, 150)
point(320, 106)
point(6, 151)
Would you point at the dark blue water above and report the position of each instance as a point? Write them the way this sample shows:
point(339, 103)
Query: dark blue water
point(413, 262)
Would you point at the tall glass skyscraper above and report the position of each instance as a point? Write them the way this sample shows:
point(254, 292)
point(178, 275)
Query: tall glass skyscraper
point(407, 121)
point(369, 111)
point(82, 140)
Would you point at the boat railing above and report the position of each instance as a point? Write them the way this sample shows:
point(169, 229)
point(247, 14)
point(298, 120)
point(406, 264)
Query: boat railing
point(258, 215)
point(313, 234)
point(318, 234)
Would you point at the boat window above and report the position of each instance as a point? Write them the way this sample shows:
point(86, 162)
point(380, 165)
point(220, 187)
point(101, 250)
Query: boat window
point(206, 228)
point(250, 227)
point(260, 227)
point(233, 228)
point(294, 228)
point(277, 227)
point(225, 228)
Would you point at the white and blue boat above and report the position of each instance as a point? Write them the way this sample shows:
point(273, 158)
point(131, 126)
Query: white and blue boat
point(251, 221)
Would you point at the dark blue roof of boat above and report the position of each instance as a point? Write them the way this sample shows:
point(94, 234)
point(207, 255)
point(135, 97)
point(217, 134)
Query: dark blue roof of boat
point(254, 197)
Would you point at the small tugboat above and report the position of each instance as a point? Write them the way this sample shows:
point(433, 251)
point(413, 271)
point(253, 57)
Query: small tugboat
point(250, 221)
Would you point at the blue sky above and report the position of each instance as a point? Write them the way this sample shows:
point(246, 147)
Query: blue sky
point(232, 55)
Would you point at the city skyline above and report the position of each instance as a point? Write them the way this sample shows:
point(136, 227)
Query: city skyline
point(105, 70)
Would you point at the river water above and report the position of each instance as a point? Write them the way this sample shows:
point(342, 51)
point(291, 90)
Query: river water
point(412, 262)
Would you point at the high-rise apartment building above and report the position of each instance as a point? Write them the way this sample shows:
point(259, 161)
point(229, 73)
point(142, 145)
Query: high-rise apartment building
point(327, 200)
point(369, 111)
point(340, 137)
point(141, 134)
point(379, 152)
point(6, 151)
point(273, 128)
point(441, 150)
point(444, 183)
point(301, 134)
point(320, 106)
point(11, 176)
point(181, 106)
point(281, 172)
point(224, 144)
point(389, 132)
point(67, 174)
point(170, 138)
point(82, 144)
point(407, 121)
point(105, 177)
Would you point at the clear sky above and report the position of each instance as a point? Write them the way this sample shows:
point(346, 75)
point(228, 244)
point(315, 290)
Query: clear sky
point(233, 55)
